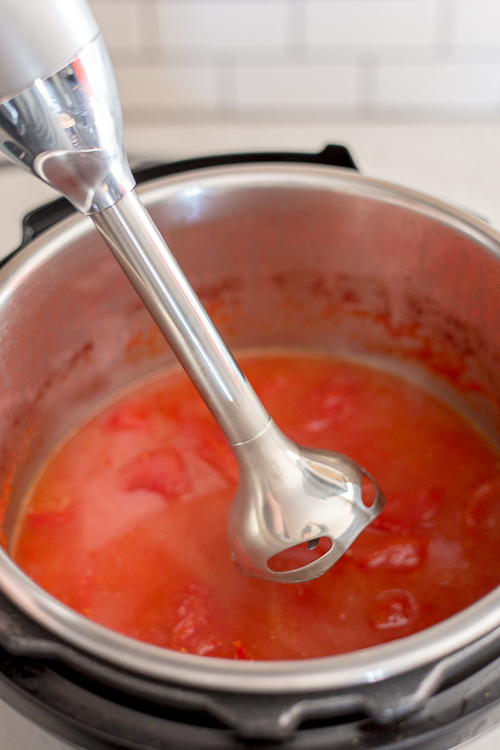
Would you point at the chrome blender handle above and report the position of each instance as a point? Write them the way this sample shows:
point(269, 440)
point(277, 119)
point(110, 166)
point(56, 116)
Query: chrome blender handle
point(60, 113)
point(67, 130)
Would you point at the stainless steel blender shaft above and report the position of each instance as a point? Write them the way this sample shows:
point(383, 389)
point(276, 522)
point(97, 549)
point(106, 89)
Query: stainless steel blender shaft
point(155, 274)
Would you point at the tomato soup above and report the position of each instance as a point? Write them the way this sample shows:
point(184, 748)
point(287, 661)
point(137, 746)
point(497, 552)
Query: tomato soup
point(127, 522)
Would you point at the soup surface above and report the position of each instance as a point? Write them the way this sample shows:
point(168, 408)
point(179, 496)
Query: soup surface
point(127, 522)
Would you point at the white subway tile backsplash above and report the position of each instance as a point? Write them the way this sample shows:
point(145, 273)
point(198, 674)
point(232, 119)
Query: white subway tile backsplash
point(151, 87)
point(363, 58)
point(370, 23)
point(297, 86)
point(477, 22)
point(439, 87)
point(221, 25)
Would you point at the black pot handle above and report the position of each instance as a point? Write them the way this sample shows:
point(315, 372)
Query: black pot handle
point(44, 217)
point(331, 156)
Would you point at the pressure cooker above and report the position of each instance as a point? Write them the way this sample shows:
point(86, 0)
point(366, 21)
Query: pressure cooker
point(283, 249)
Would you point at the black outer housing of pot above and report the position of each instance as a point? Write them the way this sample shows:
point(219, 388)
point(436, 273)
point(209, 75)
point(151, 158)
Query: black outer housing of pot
point(97, 706)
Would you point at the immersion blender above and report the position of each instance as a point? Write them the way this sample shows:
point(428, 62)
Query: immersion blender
point(60, 118)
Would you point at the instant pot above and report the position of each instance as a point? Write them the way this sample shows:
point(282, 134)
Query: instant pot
point(283, 249)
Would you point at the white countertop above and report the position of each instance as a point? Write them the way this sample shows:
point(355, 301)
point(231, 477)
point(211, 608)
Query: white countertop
point(457, 163)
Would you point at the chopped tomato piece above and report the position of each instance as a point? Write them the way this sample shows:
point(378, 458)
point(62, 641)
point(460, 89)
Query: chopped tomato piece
point(394, 609)
point(481, 515)
point(128, 417)
point(406, 510)
point(193, 621)
point(161, 471)
point(380, 549)
point(50, 519)
point(240, 651)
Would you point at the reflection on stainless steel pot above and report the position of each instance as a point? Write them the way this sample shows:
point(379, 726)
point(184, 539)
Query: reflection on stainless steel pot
point(386, 271)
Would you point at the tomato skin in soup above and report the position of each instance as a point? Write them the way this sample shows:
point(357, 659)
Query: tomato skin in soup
point(127, 522)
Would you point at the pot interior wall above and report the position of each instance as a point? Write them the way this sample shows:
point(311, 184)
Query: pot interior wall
point(275, 264)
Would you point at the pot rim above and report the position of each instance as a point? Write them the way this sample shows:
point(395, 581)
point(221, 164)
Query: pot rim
point(355, 668)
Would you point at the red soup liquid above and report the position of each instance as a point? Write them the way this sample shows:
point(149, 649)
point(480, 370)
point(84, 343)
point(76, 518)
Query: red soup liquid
point(127, 522)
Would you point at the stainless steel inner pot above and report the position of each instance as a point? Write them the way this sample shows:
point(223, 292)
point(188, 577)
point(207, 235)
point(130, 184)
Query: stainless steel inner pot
point(290, 255)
